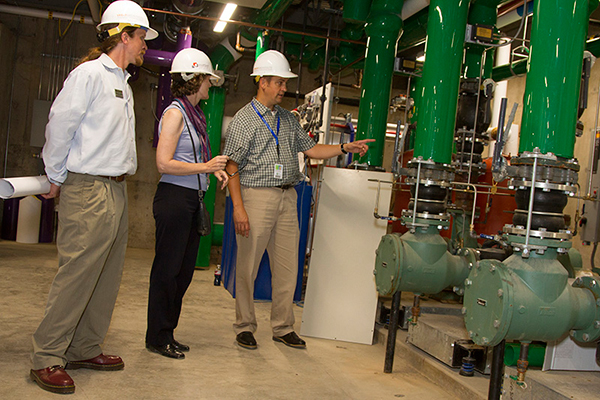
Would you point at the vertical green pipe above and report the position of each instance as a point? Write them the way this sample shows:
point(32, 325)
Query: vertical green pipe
point(262, 43)
point(222, 57)
point(482, 12)
point(383, 30)
point(554, 76)
point(440, 80)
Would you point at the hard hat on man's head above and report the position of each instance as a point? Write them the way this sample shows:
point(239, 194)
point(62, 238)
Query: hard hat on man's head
point(272, 63)
point(189, 62)
point(126, 13)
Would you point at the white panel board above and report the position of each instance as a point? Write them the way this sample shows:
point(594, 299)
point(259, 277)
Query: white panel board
point(341, 297)
point(569, 355)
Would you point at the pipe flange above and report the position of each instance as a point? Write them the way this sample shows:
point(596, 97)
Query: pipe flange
point(521, 231)
point(592, 332)
point(426, 215)
point(567, 187)
point(428, 182)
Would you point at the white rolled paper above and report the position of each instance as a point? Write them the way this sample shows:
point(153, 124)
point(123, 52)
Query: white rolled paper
point(28, 225)
point(23, 186)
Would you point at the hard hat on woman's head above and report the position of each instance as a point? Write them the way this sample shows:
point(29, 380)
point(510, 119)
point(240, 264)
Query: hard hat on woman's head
point(272, 63)
point(124, 13)
point(191, 62)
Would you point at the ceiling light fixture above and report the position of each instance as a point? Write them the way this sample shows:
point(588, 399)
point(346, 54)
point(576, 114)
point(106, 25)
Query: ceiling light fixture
point(225, 16)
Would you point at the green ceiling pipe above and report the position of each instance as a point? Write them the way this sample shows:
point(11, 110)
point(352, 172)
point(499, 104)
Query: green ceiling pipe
point(554, 76)
point(356, 11)
point(268, 15)
point(481, 13)
point(222, 57)
point(415, 30)
point(383, 29)
point(440, 79)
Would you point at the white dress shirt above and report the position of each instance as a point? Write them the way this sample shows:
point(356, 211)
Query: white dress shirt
point(91, 128)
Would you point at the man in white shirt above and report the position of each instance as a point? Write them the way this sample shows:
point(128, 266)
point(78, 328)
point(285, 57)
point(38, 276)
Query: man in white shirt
point(90, 148)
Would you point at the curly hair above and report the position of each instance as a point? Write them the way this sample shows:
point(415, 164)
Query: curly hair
point(180, 88)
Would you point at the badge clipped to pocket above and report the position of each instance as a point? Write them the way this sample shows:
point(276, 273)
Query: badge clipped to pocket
point(278, 173)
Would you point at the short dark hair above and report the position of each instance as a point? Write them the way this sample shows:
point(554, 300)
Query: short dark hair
point(180, 88)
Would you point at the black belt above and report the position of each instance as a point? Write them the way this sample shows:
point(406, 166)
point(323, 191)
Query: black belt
point(119, 178)
point(285, 186)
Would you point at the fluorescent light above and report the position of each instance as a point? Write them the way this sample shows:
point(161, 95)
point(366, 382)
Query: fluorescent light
point(228, 11)
point(421, 58)
point(225, 16)
point(219, 26)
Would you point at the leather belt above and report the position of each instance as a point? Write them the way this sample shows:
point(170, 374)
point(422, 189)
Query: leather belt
point(119, 178)
point(285, 186)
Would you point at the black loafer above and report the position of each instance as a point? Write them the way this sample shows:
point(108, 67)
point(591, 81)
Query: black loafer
point(246, 340)
point(292, 340)
point(180, 346)
point(166, 350)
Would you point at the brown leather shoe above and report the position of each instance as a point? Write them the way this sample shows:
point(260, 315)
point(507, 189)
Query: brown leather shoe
point(53, 379)
point(101, 362)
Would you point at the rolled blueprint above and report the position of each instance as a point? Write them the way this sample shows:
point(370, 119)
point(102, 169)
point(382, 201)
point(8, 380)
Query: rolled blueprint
point(23, 186)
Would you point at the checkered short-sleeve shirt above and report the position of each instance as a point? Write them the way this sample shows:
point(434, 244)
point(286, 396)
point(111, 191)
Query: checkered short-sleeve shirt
point(251, 145)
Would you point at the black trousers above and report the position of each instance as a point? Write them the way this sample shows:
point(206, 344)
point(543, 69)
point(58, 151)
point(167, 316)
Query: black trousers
point(176, 250)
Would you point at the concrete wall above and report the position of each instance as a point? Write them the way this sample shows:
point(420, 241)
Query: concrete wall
point(33, 37)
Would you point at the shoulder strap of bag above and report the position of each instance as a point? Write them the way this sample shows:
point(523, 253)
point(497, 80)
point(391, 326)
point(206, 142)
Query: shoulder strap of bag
point(200, 192)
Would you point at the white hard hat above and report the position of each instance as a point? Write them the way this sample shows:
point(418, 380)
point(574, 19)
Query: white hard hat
point(272, 63)
point(189, 62)
point(126, 13)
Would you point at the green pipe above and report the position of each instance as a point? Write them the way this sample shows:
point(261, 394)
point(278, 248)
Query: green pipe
point(420, 263)
point(356, 11)
point(483, 13)
point(415, 30)
point(554, 76)
point(535, 356)
point(503, 72)
point(222, 57)
point(528, 299)
point(262, 43)
point(444, 47)
point(383, 29)
point(268, 15)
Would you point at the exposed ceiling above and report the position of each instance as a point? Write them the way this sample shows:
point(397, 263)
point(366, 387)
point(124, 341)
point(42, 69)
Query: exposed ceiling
point(302, 15)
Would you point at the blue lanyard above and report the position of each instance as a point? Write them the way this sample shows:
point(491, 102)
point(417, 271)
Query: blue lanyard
point(276, 136)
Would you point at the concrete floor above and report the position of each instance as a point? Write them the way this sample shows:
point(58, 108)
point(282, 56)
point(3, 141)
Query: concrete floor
point(215, 368)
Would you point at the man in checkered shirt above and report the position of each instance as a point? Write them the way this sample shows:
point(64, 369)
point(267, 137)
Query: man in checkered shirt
point(263, 141)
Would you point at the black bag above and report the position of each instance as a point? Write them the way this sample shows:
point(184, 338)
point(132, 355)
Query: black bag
point(202, 217)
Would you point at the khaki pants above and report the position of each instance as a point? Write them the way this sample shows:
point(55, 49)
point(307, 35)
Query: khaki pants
point(273, 217)
point(91, 242)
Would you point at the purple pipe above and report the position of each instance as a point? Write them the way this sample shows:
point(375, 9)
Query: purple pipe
point(164, 60)
point(159, 57)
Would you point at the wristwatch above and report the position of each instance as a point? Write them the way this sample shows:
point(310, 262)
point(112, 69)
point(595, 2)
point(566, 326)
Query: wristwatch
point(343, 150)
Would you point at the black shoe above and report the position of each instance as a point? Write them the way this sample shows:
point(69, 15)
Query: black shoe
point(166, 350)
point(246, 340)
point(292, 340)
point(180, 346)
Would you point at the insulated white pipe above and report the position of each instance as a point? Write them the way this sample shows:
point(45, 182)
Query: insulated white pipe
point(94, 10)
point(31, 12)
point(411, 7)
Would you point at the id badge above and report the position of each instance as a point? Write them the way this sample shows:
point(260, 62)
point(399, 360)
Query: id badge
point(278, 173)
